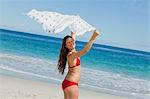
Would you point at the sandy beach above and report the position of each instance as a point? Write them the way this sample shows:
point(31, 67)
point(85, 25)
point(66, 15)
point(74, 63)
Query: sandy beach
point(16, 88)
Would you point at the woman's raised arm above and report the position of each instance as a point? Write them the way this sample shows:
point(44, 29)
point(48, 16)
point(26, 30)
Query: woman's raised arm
point(73, 35)
point(88, 45)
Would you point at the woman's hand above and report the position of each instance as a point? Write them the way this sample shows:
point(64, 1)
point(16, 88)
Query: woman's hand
point(88, 45)
point(73, 35)
point(96, 32)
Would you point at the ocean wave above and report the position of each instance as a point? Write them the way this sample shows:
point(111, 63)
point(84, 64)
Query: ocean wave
point(95, 79)
point(113, 81)
point(29, 64)
point(28, 73)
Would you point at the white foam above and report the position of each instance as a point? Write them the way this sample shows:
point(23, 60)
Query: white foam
point(27, 73)
point(29, 64)
point(112, 81)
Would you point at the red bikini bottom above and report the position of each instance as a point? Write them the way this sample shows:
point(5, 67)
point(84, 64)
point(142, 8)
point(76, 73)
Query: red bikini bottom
point(66, 83)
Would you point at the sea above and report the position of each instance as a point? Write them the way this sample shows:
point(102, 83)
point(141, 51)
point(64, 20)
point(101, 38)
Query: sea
point(104, 68)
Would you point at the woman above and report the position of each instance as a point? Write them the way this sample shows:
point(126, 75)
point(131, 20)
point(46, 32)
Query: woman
point(70, 55)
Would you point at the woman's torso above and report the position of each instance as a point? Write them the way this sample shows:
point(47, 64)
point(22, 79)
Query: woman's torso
point(73, 70)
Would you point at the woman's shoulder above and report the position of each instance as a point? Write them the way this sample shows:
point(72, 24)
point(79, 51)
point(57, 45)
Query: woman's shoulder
point(70, 53)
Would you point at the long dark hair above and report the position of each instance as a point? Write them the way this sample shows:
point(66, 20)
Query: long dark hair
point(63, 55)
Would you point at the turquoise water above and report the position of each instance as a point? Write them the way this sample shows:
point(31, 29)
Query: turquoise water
point(106, 67)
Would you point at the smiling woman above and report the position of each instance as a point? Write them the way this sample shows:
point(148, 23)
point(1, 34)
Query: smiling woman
point(106, 69)
point(70, 55)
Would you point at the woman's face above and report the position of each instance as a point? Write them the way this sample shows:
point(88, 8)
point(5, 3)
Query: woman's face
point(70, 43)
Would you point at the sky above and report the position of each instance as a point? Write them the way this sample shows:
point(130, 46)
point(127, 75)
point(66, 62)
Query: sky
point(123, 23)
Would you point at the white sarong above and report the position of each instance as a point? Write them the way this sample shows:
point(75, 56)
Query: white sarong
point(53, 22)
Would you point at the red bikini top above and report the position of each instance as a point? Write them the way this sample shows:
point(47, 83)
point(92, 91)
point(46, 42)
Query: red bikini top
point(77, 62)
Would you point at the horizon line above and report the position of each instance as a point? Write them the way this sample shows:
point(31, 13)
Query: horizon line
point(104, 45)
